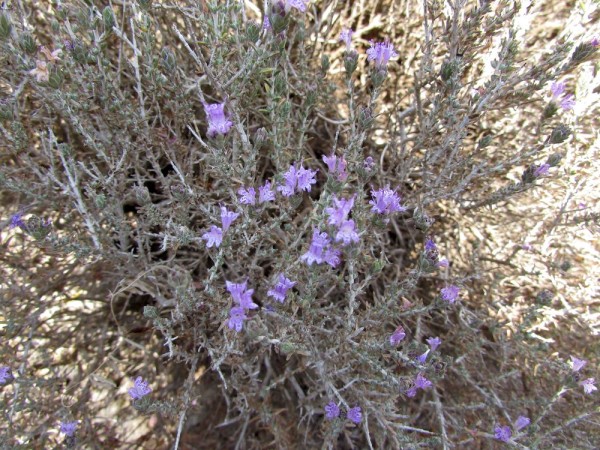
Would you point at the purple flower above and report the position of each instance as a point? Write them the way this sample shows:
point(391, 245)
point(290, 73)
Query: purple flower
point(577, 363)
point(227, 217)
point(265, 193)
point(291, 179)
point(411, 392)
point(297, 179)
point(218, 123)
point(541, 170)
point(298, 4)
point(503, 433)
point(346, 37)
point(332, 256)
point(450, 293)
point(68, 428)
point(568, 102)
point(434, 343)
point(369, 163)
point(386, 201)
point(213, 237)
point(306, 178)
point(443, 263)
point(430, 245)
point(397, 336)
point(317, 248)
point(557, 88)
point(381, 52)
point(140, 389)
point(339, 213)
point(595, 42)
point(5, 375)
point(588, 385)
point(237, 316)
point(521, 423)
point(355, 414)
point(266, 23)
point(279, 292)
point(17, 221)
point(422, 358)
point(421, 382)
point(336, 166)
point(332, 410)
point(241, 295)
point(347, 233)
point(247, 195)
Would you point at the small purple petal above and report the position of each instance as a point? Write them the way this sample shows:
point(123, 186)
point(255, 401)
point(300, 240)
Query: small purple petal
point(521, 422)
point(503, 433)
point(332, 410)
point(355, 414)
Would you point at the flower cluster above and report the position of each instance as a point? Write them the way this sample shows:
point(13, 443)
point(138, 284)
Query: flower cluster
point(248, 195)
point(588, 384)
point(504, 433)
point(214, 237)
point(568, 101)
point(338, 217)
point(140, 389)
point(218, 122)
point(380, 53)
point(336, 166)
point(297, 180)
point(332, 411)
point(321, 251)
point(386, 201)
point(243, 298)
point(279, 292)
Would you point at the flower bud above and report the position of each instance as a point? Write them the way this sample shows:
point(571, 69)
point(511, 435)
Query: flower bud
point(55, 79)
point(5, 26)
point(259, 138)
point(549, 111)
point(528, 176)
point(582, 52)
point(27, 44)
point(6, 109)
point(560, 134)
point(485, 141)
point(252, 31)
point(151, 312)
point(378, 77)
point(168, 60)
point(350, 62)
point(554, 159)
point(38, 228)
point(278, 18)
point(145, 4)
point(108, 17)
point(365, 117)
point(324, 63)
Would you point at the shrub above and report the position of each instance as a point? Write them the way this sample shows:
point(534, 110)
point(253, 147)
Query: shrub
point(321, 312)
